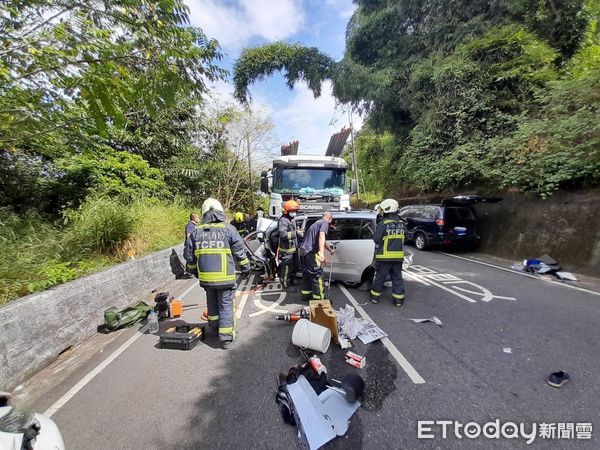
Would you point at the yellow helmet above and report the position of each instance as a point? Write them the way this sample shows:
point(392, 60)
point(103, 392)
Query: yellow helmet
point(238, 217)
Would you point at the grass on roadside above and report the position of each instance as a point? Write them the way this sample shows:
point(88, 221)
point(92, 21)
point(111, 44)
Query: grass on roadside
point(36, 254)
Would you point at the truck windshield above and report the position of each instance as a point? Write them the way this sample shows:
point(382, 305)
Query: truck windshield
point(310, 181)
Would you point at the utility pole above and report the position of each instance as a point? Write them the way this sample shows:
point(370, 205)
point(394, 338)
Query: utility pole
point(249, 169)
point(354, 166)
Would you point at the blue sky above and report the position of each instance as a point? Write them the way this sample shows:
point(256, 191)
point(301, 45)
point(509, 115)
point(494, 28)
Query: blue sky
point(237, 24)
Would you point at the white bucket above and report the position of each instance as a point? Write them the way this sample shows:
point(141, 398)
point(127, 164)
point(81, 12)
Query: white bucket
point(311, 335)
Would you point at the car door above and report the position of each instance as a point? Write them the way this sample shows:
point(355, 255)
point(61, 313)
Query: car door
point(407, 214)
point(354, 248)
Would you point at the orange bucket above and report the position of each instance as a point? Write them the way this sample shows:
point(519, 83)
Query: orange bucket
point(176, 308)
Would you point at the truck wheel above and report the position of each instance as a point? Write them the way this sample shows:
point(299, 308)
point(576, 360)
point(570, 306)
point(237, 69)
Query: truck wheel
point(421, 241)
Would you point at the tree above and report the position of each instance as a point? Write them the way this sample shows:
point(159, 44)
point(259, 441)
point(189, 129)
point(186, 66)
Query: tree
point(447, 79)
point(80, 78)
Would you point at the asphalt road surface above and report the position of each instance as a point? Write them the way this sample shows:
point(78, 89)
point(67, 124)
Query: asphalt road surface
point(502, 335)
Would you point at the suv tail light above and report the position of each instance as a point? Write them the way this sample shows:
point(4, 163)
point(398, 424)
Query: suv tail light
point(439, 222)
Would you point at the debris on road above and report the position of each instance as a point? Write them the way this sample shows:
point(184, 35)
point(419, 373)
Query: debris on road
point(546, 267)
point(557, 379)
point(371, 332)
point(310, 335)
point(348, 324)
point(323, 314)
point(355, 360)
point(320, 407)
point(507, 350)
point(433, 319)
point(566, 276)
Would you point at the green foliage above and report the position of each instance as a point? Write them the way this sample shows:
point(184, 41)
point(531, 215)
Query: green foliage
point(110, 173)
point(36, 254)
point(299, 63)
point(466, 93)
point(100, 224)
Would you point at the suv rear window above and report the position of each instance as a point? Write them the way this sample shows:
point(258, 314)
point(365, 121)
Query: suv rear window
point(459, 213)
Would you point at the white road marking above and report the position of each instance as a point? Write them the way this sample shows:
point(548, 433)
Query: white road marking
point(100, 367)
point(399, 357)
point(244, 298)
point(272, 308)
point(85, 380)
point(554, 283)
point(188, 290)
point(414, 276)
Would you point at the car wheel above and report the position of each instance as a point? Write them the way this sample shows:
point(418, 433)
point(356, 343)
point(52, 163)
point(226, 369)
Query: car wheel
point(421, 241)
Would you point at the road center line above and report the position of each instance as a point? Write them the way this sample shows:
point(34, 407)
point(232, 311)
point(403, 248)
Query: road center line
point(399, 357)
point(552, 283)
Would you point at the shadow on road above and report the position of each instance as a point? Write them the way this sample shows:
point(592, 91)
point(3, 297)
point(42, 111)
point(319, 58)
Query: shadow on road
point(236, 404)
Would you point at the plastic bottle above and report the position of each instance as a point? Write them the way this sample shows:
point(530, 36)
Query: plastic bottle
point(153, 322)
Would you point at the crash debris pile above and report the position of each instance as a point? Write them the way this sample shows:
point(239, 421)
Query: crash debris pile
point(307, 397)
point(544, 266)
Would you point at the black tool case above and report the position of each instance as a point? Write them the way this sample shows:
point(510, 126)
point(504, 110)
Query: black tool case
point(182, 336)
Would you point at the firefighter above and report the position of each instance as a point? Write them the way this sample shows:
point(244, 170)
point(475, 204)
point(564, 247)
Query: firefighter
point(389, 253)
point(240, 223)
point(288, 245)
point(313, 251)
point(213, 248)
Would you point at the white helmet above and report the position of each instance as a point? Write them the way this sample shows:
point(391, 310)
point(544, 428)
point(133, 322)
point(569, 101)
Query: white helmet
point(210, 204)
point(389, 205)
point(376, 208)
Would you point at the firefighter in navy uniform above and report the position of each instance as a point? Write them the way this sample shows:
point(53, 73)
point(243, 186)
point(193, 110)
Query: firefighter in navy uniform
point(240, 223)
point(288, 245)
point(313, 251)
point(213, 248)
point(389, 253)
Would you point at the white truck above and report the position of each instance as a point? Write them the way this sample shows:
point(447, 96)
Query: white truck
point(318, 183)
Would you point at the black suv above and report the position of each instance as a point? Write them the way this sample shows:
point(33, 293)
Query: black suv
point(451, 223)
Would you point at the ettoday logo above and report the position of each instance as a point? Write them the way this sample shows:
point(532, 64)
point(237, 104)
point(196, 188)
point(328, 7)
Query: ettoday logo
point(436, 429)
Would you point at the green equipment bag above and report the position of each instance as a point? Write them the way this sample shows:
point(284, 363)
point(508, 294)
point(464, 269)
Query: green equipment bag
point(119, 318)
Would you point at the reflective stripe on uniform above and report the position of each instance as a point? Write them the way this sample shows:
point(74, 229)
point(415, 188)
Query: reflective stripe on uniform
point(287, 250)
point(225, 330)
point(211, 225)
point(306, 292)
point(399, 296)
point(375, 293)
point(215, 276)
point(211, 318)
point(244, 262)
point(391, 254)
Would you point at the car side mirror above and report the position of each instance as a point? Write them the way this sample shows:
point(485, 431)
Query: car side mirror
point(264, 185)
point(353, 187)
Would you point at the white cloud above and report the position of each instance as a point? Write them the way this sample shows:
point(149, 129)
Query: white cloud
point(312, 121)
point(235, 24)
point(345, 8)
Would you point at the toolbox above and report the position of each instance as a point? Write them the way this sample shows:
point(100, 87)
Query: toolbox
point(183, 336)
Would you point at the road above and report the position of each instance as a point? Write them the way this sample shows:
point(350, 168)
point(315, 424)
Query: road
point(502, 334)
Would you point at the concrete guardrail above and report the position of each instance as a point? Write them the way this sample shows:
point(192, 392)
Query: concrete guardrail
point(35, 329)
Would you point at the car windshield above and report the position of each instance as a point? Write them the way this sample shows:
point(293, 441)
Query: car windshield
point(310, 181)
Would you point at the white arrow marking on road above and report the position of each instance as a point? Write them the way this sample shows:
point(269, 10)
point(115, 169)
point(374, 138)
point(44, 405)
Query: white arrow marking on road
point(399, 357)
point(414, 276)
point(272, 309)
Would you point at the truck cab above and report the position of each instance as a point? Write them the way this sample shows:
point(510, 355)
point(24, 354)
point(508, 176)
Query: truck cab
point(319, 183)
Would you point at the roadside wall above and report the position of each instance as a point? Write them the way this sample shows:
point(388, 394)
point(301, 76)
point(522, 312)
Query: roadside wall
point(35, 329)
point(566, 226)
